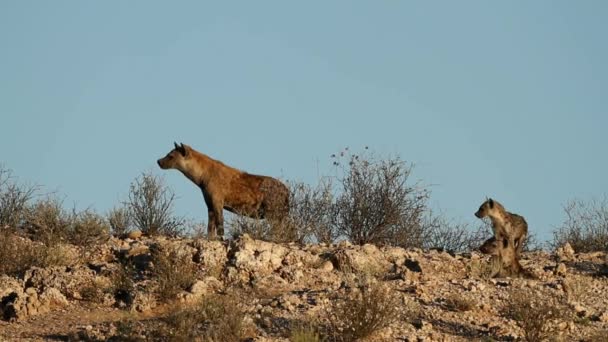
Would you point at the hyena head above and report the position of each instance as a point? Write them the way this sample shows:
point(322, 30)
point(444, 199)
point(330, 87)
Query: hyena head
point(493, 246)
point(176, 158)
point(500, 248)
point(489, 208)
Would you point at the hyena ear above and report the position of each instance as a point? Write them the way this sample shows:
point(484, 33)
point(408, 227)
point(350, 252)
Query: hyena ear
point(183, 150)
point(491, 203)
point(176, 145)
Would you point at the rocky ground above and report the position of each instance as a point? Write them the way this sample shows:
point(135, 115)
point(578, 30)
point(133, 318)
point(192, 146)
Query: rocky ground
point(118, 291)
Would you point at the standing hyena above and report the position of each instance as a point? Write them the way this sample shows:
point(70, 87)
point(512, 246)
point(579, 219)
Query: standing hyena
point(504, 224)
point(225, 187)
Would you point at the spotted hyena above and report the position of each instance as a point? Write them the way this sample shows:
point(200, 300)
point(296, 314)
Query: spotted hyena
point(504, 224)
point(225, 187)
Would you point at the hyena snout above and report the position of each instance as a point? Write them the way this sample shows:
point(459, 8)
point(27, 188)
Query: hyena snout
point(478, 214)
point(163, 163)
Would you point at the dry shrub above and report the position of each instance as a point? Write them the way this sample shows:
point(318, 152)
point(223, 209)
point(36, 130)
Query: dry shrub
point(585, 227)
point(150, 206)
point(128, 330)
point(304, 333)
point(311, 210)
point(19, 254)
point(577, 288)
point(459, 303)
point(369, 200)
point(174, 272)
point(376, 204)
point(47, 221)
point(448, 235)
point(87, 228)
point(598, 336)
point(14, 199)
point(214, 318)
point(268, 230)
point(94, 291)
point(309, 218)
point(119, 220)
point(532, 313)
point(122, 283)
point(359, 316)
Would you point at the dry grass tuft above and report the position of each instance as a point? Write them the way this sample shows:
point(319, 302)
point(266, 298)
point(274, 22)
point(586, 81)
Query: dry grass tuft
point(173, 271)
point(19, 254)
point(215, 318)
point(373, 309)
point(532, 313)
point(456, 302)
point(304, 333)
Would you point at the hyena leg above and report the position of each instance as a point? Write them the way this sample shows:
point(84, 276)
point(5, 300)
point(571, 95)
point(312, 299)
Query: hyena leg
point(212, 225)
point(219, 219)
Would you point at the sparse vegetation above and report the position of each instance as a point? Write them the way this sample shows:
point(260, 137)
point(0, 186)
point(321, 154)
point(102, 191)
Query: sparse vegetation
point(304, 333)
point(215, 318)
point(18, 254)
point(363, 314)
point(122, 283)
point(87, 228)
point(47, 221)
point(173, 271)
point(457, 302)
point(448, 235)
point(376, 204)
point(311, 210)
point(532, 314)
point(585, 227)
point(119, 220)
point(150, 206)
point(309, 218)
point(14, 199)
point(267, 230)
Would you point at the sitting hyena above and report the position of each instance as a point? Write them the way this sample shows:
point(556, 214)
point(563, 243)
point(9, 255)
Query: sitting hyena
point(504, 261)
point(227, 188)
point(505, 224)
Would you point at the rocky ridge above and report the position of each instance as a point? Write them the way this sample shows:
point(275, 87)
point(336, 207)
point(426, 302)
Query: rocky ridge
point(440, 296)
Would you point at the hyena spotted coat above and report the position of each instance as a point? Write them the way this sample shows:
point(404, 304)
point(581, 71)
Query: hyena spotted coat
point(225, 187)
point(505, 224)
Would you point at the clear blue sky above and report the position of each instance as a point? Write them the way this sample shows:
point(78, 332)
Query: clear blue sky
point(506, 99)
